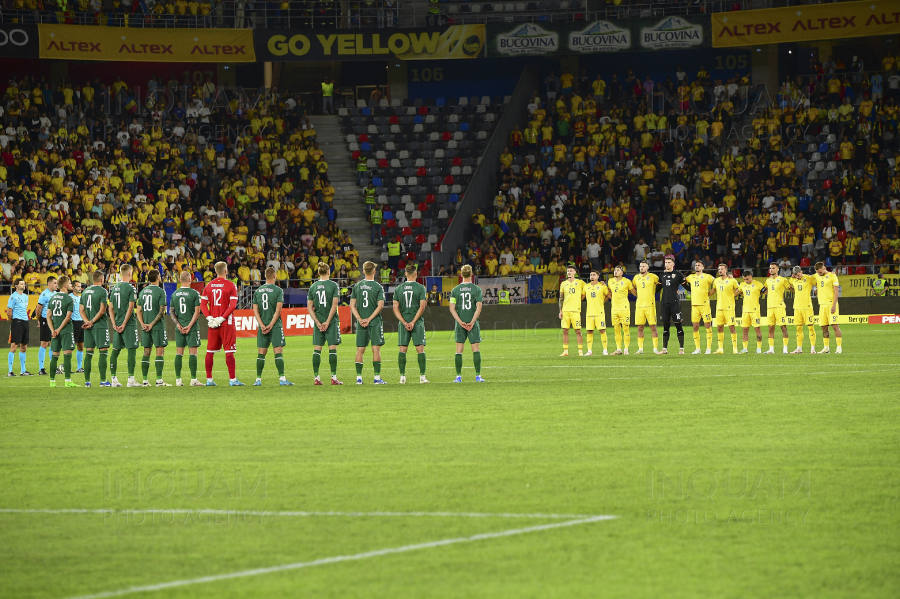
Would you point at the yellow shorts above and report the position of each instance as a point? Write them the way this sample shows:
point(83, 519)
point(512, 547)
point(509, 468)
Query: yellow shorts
point(571, 320)
point(803, 317)
point(644, 316)
point(623, 317)
point(751, 319)
point(595, 323)
point(776, 317)
point(826, 317)
point(700, 313)
point(724, 318)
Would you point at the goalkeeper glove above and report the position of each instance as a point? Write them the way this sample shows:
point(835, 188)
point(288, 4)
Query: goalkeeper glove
point(211, 322)
point(218, 321)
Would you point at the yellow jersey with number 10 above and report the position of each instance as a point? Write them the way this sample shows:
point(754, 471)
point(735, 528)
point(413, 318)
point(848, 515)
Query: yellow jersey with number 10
point(750, 293)
point(620, 291)
point(596, 297)
point(572, 292)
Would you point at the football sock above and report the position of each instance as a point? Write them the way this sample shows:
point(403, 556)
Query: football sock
point(580, 347)
point(210, 356)
point(666, 335)
point(401, 361)
point(145, 367)
point(590, 340)
point(722, 340)
point(114, 362)
point(179, 362)
point(838, 340)
point(604, 340)
point(104, 358)
point(67, 366)
point(458, 363)
point(10, 359)
point(422, 363)
point(618, 330)
point(317, 360)
point(626, 335)
point(160, 362)
point(376, 366)
point(734, 342)
point(332, 361)
point(826, 343)
point(359, 366)
point(655, 343)
point(22, 360)
point(260, 364)
point(745, 344)
point(697, 339)
point(812, 337)
point(279, 364)
point(772, 343)
point(708, 339)
point(232, 367)
point(80, 357)
point(680, 330)
point(132, 361)
point(640, 343)
point(800, 336)
point(784, 342)
point(192, 364)
point(565, 347)
point(42, 351)
point(88, 360)
point(476, 357)
point(53, 364)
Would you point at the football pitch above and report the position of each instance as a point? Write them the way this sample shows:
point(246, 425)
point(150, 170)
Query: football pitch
point(617, 477)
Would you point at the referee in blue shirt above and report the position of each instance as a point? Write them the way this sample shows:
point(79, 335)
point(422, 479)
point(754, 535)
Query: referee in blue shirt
point(17, 311)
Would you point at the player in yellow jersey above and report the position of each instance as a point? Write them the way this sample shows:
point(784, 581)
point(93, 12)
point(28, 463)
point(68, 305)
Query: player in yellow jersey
point(803, 310)
point(827, 288)
point(596, 293)
point(620, 287)
point(726, 288)
point(701, 287)
point(775, 314)
point(645, 308)
point(571, 292)
point(750, 291)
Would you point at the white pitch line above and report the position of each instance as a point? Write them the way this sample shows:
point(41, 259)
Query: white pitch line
point(301, 514)
point(341, 558)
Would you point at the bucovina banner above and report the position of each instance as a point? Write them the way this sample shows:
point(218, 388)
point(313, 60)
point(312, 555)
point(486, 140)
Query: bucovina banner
point(454, 41)
point(18, 41)
point(594, 37)
point(805, 23)
point(77, 42)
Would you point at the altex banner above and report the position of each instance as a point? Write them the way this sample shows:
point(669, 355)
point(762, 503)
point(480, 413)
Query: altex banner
point(290, 45)
point(805, 23)
point(594, 37)
point(76, 42)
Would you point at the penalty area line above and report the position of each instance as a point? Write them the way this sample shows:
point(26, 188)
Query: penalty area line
point(300, 514)
point(341, 558)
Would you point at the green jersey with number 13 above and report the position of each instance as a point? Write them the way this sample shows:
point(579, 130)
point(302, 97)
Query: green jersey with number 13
point(466, 297)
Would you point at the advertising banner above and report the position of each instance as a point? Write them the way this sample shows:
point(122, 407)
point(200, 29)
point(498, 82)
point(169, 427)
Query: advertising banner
point(18, 40)
point(805, 23)
point(491, 287)
point(290, 45)
point(296, 322)
point(595, 37)
point(77, 42)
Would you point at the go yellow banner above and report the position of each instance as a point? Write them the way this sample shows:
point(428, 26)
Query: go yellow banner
point(806, 23)
point(76, 42)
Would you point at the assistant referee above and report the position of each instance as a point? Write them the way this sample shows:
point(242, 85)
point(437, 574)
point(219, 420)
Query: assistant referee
point(17, 311)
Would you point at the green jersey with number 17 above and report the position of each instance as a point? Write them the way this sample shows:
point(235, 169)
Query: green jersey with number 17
point(466, 297)
point(323, 294)
point(410, 294)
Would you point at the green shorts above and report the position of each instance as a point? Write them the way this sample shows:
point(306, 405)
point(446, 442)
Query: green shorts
point(373, 334)
point(96, 337)
point(65, 341)
point(332, 336)
point(473, 336)
point(417, 335)
point(192, 339)
point(157, 337)
point(275, 337)
point(128, 339)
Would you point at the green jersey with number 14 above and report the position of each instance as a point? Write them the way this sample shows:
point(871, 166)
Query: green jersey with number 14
point(466, 297)
point(322, 294)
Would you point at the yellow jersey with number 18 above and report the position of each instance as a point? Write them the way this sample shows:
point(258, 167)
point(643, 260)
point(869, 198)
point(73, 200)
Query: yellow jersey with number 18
point(620, 291)
point(596, 297)
point(572, 292)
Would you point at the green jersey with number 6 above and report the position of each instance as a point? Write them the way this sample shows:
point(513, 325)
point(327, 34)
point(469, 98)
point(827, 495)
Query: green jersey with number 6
point(323, 294)
point(184, 303)
point(409, 295)
point(152, 299)
point(266, 298)
point(93, 299)
point(367, 295)
point(466, 297)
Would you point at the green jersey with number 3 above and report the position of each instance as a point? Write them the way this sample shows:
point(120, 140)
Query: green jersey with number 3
point(59, 305)
point(323, 294)
point(367, 295)
point(266, 298)
point(119, 298)
point(184, 303)
point(409, 295)
point(466, 297)
point(151, 300)
point(93, 299)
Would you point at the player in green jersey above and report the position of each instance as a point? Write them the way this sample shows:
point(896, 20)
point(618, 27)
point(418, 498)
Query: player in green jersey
point(465, 307)
point(267, 303)
point(151, 316)
point(96, 327)
point(185, 311)
point(366, 304)
point(410, 299)
point(125, 327)
point(62, 333)
point(322, 303)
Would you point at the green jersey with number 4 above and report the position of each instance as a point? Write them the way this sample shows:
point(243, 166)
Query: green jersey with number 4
point(59, 305)
point(93, 299)
point(367, 295)
point(152, 299)
point(323, 294)
point(466, 297)
point(184, 303)
point(409, 295)
point(267, 298)
point(119, 298)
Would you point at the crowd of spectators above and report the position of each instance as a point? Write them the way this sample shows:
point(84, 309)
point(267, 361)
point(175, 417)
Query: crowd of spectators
point(174, 178)
point(746, 177)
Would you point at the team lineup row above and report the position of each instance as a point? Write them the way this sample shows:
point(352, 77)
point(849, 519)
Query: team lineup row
point(701, 287)
point(122, 319)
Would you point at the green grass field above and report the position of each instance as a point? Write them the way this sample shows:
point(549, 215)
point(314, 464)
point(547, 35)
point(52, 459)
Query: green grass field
point(728, 476)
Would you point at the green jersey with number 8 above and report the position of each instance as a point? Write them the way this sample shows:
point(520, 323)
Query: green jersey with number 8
point(266, 298)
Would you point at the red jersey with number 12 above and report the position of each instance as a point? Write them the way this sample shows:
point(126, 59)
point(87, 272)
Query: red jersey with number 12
point(219, 299)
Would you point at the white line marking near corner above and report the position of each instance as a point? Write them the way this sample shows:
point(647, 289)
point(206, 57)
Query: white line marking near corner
point(302, 514)
point(341, 558)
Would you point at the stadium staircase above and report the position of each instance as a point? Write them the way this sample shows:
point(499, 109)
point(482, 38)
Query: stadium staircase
point(348, 202)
